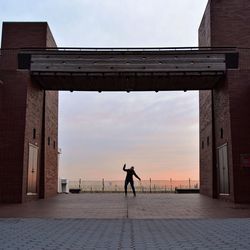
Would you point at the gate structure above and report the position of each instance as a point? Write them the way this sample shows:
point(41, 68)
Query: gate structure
point(33, 70)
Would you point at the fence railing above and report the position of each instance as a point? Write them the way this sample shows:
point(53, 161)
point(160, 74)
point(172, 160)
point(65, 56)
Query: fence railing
point(151, 186)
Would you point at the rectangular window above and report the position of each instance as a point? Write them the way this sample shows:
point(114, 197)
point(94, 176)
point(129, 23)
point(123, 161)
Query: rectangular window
point(221, 133)
point(34, 133)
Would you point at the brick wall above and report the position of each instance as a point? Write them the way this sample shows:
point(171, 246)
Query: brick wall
point(206, 142)
point(205, 110)
point(24, 34)
point(33, 120)
point(26, 107)
point(230, 23)
point(239, 88)
point(12, 125)
point(225, 23)
point(51, 149)
point(51, 131)
point(222, 132)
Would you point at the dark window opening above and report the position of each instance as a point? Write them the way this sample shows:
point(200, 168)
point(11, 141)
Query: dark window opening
point(208, 141)
point(34, 133)
point(54, 144)
point(48, 140)
point(202, 145)
point(221, 133)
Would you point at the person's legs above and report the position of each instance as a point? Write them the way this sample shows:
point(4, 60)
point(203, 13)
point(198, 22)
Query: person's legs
point(126, 187)
point(133, 188)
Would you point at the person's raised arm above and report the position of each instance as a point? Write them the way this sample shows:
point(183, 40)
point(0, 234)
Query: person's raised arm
point(124, 167)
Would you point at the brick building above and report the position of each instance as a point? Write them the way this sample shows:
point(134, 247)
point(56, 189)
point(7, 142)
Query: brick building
point(28, 120)
point(224, 111)
point(29, 113)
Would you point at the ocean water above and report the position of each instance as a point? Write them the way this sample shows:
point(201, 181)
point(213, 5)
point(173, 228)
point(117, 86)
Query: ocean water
point(141, 186)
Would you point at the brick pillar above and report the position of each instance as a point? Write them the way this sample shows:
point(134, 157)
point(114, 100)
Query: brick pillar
point(225, 23)
point(24, 109)
point(207, 172)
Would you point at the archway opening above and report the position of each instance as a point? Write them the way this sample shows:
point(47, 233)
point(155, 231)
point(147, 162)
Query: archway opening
point(158, 133)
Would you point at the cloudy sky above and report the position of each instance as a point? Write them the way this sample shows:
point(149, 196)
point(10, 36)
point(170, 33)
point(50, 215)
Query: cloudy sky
point(155, 132)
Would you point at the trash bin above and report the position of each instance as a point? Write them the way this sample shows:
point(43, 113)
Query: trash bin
point(63, 186)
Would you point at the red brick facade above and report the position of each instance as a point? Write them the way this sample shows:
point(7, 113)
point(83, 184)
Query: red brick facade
point(226, 23)
point(25, 108)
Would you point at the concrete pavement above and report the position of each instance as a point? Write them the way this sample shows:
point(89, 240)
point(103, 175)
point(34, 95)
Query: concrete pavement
point(111, 221)
point(116, 206)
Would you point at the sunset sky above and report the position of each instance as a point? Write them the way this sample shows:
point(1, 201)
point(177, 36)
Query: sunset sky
point(99, 132)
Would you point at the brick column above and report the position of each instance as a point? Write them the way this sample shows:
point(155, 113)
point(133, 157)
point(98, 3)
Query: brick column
point(226, 23)
point(21, 115)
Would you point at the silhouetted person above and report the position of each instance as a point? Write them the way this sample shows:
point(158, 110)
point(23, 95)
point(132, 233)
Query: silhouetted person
point(129, 178)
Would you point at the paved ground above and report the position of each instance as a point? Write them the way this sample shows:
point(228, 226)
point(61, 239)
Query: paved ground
point(113, 206)
point(71, 234)
point(110, 221)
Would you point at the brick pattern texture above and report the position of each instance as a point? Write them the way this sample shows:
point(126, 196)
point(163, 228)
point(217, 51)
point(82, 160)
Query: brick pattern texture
point(225, 23)
point(25, 106)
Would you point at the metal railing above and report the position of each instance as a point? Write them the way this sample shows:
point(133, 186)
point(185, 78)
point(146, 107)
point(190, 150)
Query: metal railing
point(146, 50)
point(120, 49)
point(144, 186)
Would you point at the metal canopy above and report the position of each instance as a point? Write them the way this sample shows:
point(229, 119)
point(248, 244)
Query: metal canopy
point(128, 69)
